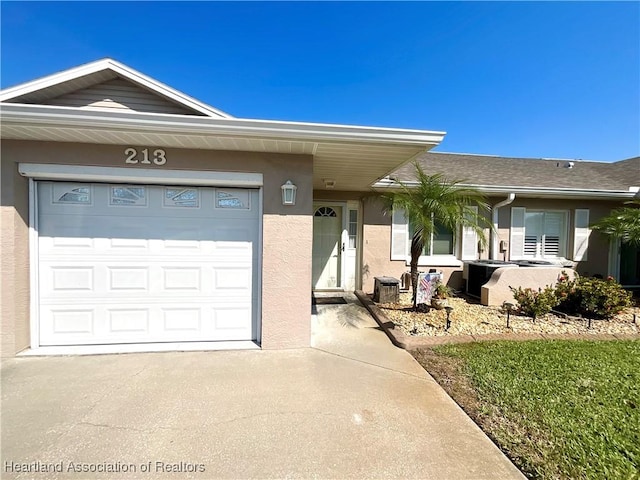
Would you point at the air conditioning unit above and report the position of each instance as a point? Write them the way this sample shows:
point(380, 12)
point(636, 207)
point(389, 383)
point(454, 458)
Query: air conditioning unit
point(479, 272)
point(555, 262)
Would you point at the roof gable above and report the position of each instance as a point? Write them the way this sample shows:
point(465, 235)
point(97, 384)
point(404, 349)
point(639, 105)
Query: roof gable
point(119, 94)
point(107, 84)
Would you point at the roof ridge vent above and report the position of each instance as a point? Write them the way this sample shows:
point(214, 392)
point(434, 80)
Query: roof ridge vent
point(569, 164)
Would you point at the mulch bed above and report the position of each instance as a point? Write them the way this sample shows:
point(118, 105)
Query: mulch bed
point(471, 322)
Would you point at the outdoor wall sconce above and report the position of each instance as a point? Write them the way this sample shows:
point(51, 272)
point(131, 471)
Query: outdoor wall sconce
point(448, 310)
point(288, 193)
point(509, 307)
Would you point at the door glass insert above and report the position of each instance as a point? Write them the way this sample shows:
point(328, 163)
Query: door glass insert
point(325, 212)
point(353, 228)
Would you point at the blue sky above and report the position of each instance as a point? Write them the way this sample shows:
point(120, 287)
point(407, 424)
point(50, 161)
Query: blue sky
point(540, 79)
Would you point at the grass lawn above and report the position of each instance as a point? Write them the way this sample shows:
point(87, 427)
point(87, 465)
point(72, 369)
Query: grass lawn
point(558, 409)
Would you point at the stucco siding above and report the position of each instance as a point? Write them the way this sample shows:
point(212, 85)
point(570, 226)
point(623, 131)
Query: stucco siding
point(14, 261)
point(376, 252)
point(336, 195)
point(287, 231)
point(375, 256)
point(598, 251)
point(286, 309)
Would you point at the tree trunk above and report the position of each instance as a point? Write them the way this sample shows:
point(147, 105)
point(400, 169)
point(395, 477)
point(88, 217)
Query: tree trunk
point(416, 249)
point(414, 282)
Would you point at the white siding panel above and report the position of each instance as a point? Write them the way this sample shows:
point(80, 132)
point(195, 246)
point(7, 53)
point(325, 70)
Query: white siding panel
point(119, 95)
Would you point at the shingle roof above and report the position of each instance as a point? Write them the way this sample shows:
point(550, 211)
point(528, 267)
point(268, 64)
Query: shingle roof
point(495, 171)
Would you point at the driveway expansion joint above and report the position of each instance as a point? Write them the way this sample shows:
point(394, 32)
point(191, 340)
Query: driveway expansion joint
point(426, 377)
point(112, 427)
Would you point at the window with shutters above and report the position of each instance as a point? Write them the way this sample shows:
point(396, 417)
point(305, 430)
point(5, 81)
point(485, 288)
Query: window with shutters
point(545, 234)
point(440, 243)
point(439, 249)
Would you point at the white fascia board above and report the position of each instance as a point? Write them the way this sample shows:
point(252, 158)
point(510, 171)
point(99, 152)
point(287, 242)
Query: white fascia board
point(147, 176)
point(165, 90)
point(58, 117)
point(119, 69)
point(529, 191)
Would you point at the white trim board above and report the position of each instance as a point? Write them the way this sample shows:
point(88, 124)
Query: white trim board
point(105, 174)
point(529, 192)
point(56, 117)
point(149, 176)
point(138, 348)
point(34, 256)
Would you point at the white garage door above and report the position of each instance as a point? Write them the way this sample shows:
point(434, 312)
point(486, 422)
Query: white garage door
point(134, 264)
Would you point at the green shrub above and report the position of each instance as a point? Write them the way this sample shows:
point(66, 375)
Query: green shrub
point(591, 297)
point(567, 296)
point(535, 303)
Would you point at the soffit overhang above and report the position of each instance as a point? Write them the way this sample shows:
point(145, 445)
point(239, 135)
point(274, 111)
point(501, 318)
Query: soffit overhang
point(531, 192)
point(354, 157)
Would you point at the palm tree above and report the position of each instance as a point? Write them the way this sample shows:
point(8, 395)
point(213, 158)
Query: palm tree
point(435, 200)
point(622, 223)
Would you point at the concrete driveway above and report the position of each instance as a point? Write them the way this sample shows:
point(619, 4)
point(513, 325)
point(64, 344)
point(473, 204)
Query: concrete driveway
point(353, 406)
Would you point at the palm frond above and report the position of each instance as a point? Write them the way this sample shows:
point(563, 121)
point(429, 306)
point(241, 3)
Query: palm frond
point(435, 199)
point(622, 223)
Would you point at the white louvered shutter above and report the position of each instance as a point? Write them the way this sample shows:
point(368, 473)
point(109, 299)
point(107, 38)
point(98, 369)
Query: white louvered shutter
point(581, 234)
point(399, 235)
point(516, 239)
point(552, 239)
point(469, 248)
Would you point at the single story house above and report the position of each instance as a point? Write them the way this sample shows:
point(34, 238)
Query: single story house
point(541, 210)
point(135, 217)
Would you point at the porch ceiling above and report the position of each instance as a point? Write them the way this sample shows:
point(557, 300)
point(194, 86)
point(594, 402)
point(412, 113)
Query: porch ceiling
point(353, 157)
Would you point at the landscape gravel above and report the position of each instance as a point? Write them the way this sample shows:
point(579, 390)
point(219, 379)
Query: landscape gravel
point(470, 318)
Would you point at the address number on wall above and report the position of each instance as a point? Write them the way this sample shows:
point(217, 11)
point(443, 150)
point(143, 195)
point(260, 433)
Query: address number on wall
point(144, 157)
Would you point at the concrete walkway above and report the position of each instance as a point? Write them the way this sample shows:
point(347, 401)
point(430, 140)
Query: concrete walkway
point(354, 406)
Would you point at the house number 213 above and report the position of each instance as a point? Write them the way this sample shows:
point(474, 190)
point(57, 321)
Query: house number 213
point(158, 157)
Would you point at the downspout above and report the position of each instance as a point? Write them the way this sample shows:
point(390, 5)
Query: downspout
point(494, 219)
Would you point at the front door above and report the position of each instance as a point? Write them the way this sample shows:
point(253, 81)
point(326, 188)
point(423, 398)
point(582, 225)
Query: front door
point(327, 247)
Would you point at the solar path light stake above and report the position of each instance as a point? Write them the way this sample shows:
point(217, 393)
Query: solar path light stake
point(448, 309)
point(509, 308)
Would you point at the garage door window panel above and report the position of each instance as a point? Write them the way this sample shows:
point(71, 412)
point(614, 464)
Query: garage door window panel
point(71, 194)
point(181, 197)
point(128, 196)
point(233, 198)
